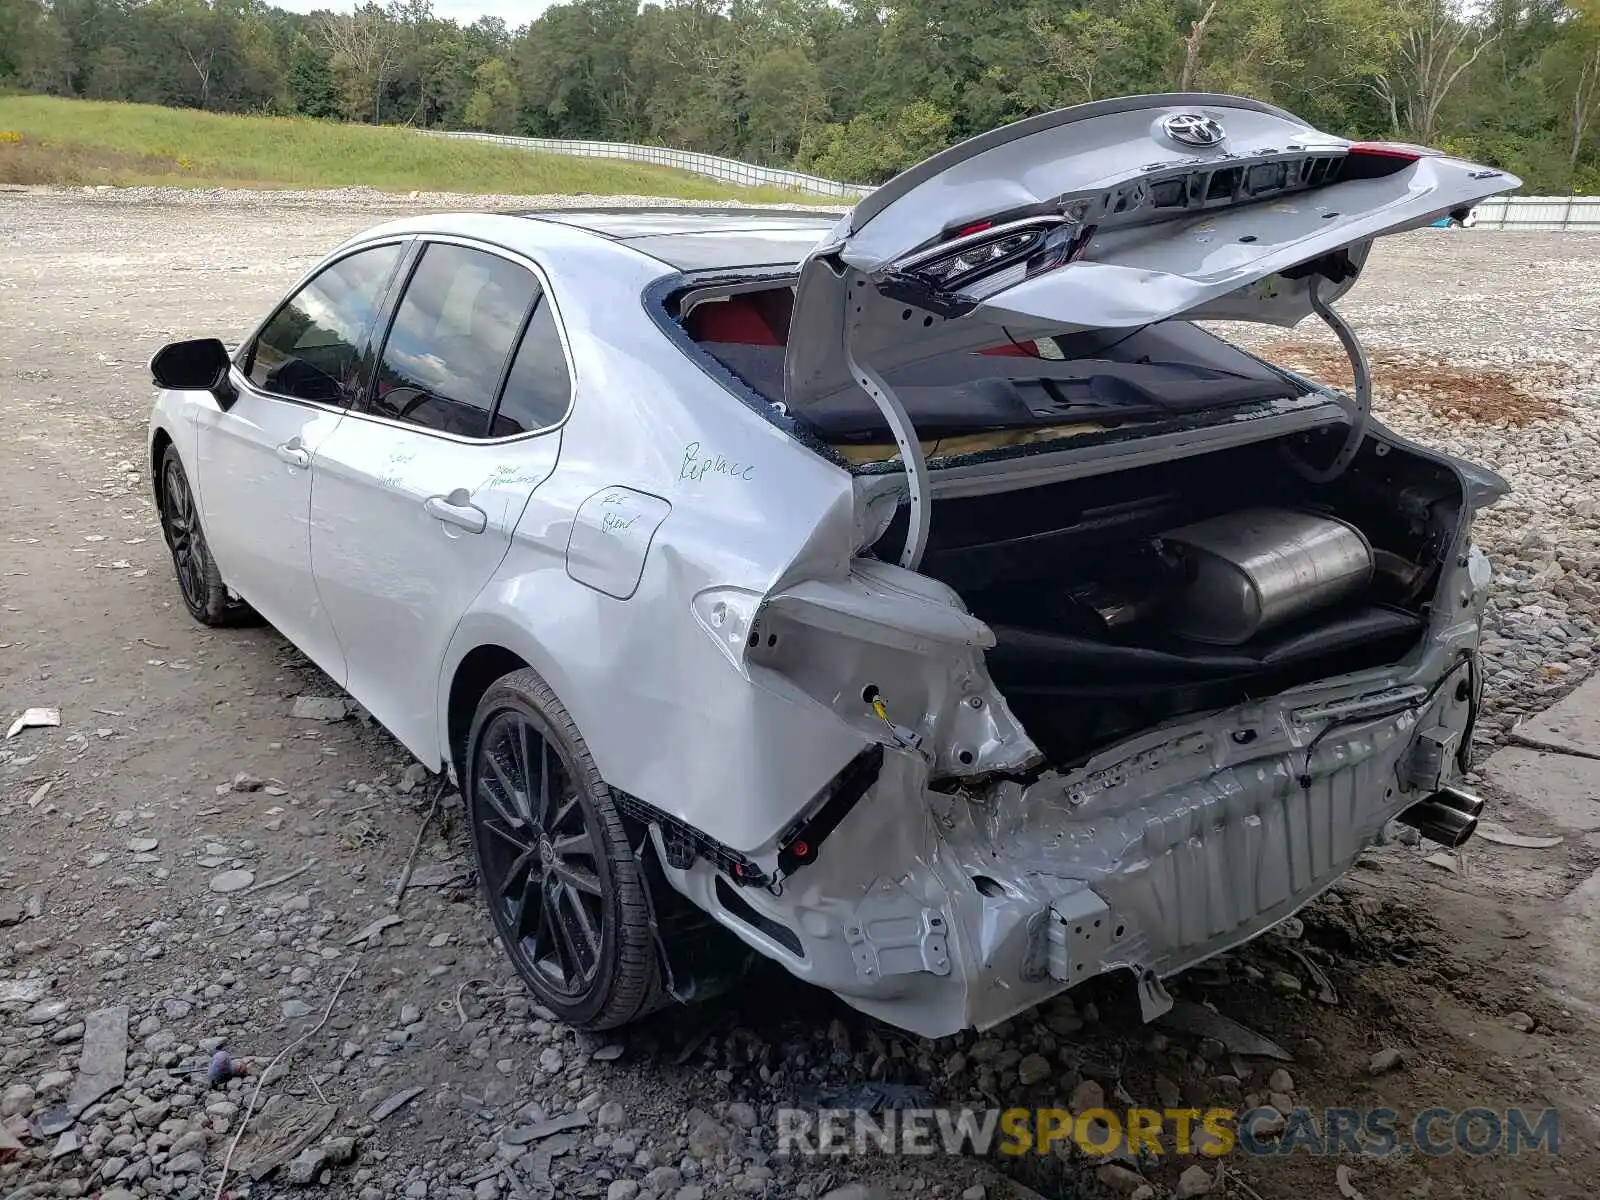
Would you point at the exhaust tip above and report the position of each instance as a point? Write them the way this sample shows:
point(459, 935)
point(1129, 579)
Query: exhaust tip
point(1439, 822)
point(1462, 801)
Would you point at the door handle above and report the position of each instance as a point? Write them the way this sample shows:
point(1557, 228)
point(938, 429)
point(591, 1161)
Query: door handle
point(457, 509)
point(294, 454)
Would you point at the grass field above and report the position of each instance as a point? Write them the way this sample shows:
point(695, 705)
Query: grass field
point(45, 139)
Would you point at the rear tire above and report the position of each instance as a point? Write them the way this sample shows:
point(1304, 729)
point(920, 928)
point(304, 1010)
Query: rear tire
point(204, 594)
point(564, 888)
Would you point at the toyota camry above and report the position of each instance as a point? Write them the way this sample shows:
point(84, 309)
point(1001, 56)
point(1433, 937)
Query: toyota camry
point(924, 598)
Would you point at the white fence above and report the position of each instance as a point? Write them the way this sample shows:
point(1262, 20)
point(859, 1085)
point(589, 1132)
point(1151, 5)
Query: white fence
point(1575, 213)
point(728, 169)
point(1515, 212)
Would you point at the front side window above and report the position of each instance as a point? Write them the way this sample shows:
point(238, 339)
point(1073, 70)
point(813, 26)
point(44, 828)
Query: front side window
point(452, 333)
point(311, 349)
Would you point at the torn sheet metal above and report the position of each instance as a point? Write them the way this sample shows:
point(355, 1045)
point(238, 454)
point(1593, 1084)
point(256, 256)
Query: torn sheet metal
point(1155, 854)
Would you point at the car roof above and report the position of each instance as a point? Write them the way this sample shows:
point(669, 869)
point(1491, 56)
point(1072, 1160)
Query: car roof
point(693, 239)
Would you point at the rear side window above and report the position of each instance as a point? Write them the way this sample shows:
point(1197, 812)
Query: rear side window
point(540, 385)
point(452, 333)
point(311, 349)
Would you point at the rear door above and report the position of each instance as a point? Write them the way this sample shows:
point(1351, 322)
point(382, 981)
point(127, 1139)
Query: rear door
point(1112, 215)
point(419, 490)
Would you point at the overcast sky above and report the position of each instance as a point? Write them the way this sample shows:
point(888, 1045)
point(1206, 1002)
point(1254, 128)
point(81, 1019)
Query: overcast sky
point(515, 12)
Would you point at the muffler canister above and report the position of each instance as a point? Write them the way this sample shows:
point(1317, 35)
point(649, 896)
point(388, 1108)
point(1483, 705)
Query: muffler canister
point(1253, 570)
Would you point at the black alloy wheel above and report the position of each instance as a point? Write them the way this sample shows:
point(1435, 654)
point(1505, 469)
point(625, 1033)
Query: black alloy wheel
point(199, 582)
point(563, 887)
point(184, 538)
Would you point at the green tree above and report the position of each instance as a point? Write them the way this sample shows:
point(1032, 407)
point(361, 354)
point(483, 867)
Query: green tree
point(310, 86)
point(871, 148)
point(492, 106)
point(366, 54)
point(574, 70)
point(18, 19)
point(1576, 62)
point(783, 99)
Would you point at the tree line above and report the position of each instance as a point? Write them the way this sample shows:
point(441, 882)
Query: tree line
point(851, 89)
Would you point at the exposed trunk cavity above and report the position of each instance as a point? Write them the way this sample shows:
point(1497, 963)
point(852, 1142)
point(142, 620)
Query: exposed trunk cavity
point(1115, 608)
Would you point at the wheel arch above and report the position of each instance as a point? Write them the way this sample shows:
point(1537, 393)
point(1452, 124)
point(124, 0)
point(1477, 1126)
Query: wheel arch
point(474, 674)
point(160, 439)
point(693, 955)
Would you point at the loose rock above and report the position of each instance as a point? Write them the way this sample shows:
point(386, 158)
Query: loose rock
point(1385, 1061)
point(1034, 1068)
point(1119, 1179)
point(227, 882)
point(1195, 1181)
point(320, 708)
point(1087, 1095)
point(16, 1100)
point(707, 1136)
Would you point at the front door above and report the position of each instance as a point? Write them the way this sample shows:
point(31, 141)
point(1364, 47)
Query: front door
point(258, 457)
point(419, 491)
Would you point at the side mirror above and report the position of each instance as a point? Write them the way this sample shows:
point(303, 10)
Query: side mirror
point(199, 365)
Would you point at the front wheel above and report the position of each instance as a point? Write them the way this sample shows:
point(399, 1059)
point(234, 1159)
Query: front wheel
point(564, 888)
point(204, 594)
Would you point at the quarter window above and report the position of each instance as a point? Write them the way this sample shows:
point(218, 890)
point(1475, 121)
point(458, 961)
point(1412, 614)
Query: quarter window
point(311, 349)
point(539, 385)
point(452, 333)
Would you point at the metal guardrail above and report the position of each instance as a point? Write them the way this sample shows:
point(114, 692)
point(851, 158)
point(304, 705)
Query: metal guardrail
point(730, 170)
point(1501, 212)
point(1575, 213)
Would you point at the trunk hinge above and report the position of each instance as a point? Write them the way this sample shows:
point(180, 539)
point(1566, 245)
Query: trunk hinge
point(1360, 408)
point(905, 437)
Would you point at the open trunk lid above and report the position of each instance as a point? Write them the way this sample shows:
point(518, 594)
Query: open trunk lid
point(1115, 214)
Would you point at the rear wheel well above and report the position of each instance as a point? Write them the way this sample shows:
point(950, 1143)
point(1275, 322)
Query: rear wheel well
point(158, 447)
point(474, 676)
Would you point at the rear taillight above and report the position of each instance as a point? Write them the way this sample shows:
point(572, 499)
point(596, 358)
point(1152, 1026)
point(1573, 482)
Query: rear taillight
point(976, 259)
point(982, 259)
point(1376, 160)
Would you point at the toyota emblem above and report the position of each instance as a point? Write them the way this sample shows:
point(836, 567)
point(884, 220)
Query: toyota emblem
point(1193, 129)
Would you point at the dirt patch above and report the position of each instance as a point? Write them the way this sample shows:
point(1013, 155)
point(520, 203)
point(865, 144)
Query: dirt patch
point(1483, 395)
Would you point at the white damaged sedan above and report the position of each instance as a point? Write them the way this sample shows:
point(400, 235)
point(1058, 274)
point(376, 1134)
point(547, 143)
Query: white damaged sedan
point(920, 599)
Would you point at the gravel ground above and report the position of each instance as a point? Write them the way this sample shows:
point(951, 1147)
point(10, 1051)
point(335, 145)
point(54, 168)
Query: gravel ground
point(206, 874)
